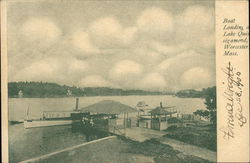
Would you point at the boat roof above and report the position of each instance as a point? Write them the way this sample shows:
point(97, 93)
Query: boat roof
point(162, 110)
point(108, 107)
point(141, 104)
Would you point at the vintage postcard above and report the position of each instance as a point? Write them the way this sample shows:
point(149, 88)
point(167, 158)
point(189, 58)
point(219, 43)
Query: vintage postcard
point(124, 81)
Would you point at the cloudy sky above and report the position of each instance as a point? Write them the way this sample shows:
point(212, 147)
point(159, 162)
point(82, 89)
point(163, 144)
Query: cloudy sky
point(151, 45)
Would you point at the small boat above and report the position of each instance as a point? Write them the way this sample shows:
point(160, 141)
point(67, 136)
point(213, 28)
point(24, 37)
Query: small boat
point(15, 122)
point(51, 118)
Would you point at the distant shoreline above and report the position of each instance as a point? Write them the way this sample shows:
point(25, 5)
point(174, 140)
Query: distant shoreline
point(100, 96)
point(93, 96)
point(54, 90)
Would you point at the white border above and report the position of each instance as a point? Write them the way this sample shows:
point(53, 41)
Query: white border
point(4, 90)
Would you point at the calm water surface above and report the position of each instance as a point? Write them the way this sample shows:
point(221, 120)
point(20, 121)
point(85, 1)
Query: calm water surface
point(28, 143)
point(18, 106)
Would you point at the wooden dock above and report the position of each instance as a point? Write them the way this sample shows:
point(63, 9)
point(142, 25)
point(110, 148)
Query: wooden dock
point(139, 134)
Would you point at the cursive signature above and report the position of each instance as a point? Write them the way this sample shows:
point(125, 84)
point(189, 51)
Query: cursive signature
point(232, 94)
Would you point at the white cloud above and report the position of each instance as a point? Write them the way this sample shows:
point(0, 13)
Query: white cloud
point(38, 71)
point(126, 69)
point(155, 21)
point(94, 81)
point(174, 46)
point(208, 41)
point(108, 26)
point(128, 35)
point(198, 17)
point(195, 24)
point(107, 33)
point(153, 81)
point(196, 77)
point(145, 56)
point(166, 64)
point(40, 31)
point(77, 66)
point(81, 41)
point(167, 50)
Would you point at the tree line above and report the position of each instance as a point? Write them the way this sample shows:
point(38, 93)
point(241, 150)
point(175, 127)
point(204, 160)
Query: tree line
point(209, 94)
point(210, 113)
point(191, 93)
point(46, 89)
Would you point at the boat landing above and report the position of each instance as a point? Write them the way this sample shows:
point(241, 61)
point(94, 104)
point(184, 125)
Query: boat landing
point(139, 134)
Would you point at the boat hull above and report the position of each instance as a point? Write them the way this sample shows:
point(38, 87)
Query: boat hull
point(45, 123)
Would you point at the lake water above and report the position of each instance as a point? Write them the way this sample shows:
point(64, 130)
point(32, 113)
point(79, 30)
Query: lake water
point(28, 143)
point(25, 144)
point(18, 106)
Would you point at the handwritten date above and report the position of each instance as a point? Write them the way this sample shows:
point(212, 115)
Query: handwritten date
point(232, 94)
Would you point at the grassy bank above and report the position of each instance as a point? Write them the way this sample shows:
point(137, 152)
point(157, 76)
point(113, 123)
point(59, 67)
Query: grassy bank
point(203, 136)
point(123, 150)
point(160, 153)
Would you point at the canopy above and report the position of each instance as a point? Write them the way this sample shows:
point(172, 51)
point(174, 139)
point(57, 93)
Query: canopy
point(162, 110)
point(108, 107)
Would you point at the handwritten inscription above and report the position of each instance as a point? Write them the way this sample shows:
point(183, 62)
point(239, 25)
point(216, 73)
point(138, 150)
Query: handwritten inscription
point(233, 106)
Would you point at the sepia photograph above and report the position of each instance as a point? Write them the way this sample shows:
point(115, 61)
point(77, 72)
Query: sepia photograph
point(111, 81)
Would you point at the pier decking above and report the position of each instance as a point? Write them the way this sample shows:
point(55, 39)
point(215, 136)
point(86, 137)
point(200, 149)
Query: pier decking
point(140, 134)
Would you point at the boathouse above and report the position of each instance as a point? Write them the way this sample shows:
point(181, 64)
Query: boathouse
point(109, 115)
point(160, 116)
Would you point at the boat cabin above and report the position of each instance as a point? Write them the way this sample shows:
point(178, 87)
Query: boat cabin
point(160, 116)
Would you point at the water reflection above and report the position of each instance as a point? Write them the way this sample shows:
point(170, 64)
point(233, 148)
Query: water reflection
point(25, 144)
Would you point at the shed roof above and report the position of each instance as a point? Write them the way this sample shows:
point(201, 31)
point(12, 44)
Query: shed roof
point(108, 107)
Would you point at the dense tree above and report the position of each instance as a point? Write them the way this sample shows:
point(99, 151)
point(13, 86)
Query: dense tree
point(190, 93)
point(203, 113)
point(45, 89)
point(210, 102)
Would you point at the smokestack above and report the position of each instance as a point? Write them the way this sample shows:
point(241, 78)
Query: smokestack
point(161, 104)
point(77, 102)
